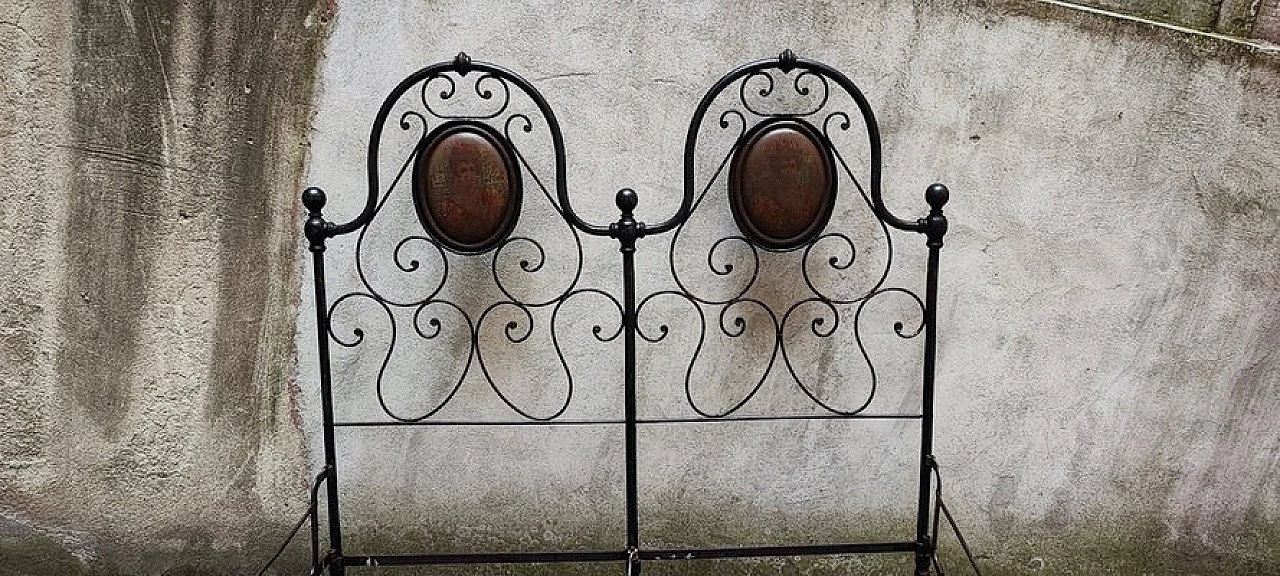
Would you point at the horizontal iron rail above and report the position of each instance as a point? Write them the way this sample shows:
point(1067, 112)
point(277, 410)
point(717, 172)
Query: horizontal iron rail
point(784, 418)
point(622, 555)
point(495, 558)
point(697, 420)
point(777, 551)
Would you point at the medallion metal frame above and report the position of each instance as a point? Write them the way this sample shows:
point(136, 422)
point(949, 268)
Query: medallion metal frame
point(421, 193)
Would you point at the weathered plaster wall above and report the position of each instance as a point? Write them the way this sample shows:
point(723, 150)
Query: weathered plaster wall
point(1268, 20)
point(1108, 317)
point(151, 152)
point(1230, 17)
point(1242, 18)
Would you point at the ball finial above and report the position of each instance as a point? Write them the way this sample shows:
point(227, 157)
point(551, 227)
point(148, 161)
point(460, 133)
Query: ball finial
point(313, 199)
point(626, 200)
point(937, 196)
point(787, 60)
point(462, 62)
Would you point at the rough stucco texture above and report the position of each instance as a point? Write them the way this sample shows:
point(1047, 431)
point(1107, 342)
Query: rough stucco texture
point(1108, 311)
point(1268, 24)
point(1244, 18)
point(1199, 14)
point(152, 151)
point(1107, 367)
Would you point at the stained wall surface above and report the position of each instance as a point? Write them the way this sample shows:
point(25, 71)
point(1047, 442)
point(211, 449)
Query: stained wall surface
point(1243, 18)
point(151, 155)
point(1108, 315)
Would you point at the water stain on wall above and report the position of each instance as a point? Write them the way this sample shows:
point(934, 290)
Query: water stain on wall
point(185, 144)
point(259, 66)
point(116, 178)
point(243, 131)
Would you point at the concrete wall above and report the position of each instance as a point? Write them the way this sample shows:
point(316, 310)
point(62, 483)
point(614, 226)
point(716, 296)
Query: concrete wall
point(1267, 24)
point(1107, 368)
point(1242, 18)
point(152, 153)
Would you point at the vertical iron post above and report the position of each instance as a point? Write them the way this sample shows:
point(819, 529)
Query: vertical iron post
point(934, 227)
point(627, 230)
point(317, 230)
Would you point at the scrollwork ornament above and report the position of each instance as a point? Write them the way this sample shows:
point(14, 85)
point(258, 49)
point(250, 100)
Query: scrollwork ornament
point(830, 249)
point(464, 93)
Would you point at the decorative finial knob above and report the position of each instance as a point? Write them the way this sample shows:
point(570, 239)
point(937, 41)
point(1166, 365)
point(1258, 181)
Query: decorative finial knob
point(315, 228)
point(937, 195)
point(626, 200)
point(313, 198)
point(462, 62)
point(787, 60)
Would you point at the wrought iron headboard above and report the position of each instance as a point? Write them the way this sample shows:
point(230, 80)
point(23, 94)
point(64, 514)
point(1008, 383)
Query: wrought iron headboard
point(467, 177)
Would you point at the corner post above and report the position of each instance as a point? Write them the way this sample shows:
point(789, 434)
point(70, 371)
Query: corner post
point(934, 227)
point(317, 231)
point(627, 230)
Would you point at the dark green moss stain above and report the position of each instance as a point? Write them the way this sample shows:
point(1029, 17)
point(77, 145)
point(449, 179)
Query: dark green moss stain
point(1122, 543)
point(116, 180)
point(1115, 542)
point(27, 555)
point(1130, 545)
point(1094, 542)
point(177, 553)
point(447, 529)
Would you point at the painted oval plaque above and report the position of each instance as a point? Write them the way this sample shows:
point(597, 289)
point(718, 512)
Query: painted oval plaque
point(782, 184)
point(466, 187)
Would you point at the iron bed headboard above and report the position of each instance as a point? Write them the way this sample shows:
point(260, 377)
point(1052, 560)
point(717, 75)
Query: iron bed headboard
point(766, 129)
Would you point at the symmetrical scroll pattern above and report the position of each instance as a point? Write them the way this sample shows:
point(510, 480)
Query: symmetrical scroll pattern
point(783, 90)
point(463, 91)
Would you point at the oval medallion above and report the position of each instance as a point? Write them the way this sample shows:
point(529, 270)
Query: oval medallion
point(782, 184)
point(466, 187)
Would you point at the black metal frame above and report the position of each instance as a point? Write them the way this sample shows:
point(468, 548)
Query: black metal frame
point(763, 79)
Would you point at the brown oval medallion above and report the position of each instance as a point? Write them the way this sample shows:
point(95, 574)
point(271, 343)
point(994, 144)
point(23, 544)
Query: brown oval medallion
point(466, 187)
point(782, 184)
